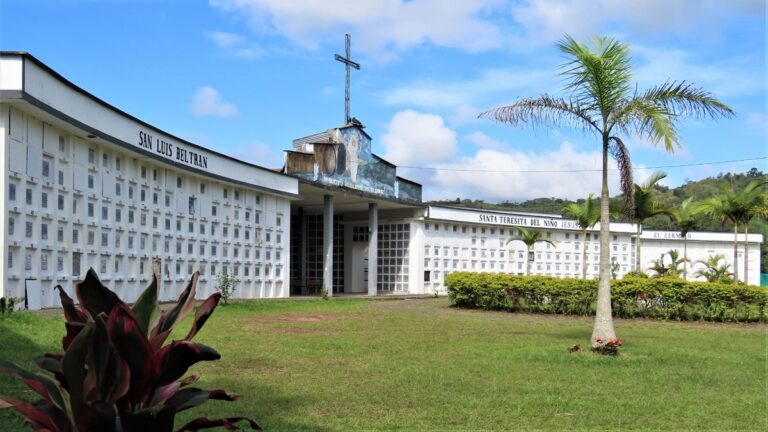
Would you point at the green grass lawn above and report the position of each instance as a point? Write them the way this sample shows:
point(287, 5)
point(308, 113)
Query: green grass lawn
point(420, 364)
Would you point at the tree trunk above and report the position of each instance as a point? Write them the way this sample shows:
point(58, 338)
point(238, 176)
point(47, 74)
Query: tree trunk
point(746, 253)
point(528, 261)
point(584, 254)
point(685, 257)
point(735, 253)
point(638, 262)
point(603, 318)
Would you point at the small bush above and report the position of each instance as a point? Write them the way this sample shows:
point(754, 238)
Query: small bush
point(661, 298)
point(7, 305)
point(226, 286)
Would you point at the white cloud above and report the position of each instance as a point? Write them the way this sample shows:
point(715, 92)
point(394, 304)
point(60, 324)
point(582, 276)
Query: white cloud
point(414, 138)
point(208, 102)
point(225, 39)
point(515, 175)
point(456, 94)
point(495, 171)
point(545, 21)
point(484, 141)
point(380, 28)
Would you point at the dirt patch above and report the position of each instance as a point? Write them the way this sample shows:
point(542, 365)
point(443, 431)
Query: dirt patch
point(301, 323)
point(296, 317)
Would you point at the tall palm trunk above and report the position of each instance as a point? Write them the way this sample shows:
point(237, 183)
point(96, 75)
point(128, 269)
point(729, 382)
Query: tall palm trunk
point(746, 253)
point(685, 257)
point(584, 254)
point(528, 261)
point(637, 248)
point(603, 318)
point(735, 253)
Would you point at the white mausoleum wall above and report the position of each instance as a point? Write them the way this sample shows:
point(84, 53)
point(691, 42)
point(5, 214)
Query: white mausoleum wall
point(454, 239)
point(75, 196)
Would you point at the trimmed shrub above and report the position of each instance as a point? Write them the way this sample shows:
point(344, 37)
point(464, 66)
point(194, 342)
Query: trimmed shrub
point(662, 298)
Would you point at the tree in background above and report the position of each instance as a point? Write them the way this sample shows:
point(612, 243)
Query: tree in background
point(530, 237)
point(586, 214)
point(738, 208)
point(755, 202)
point(713, 271)
point(604, 101)
point(647, 205)
point(685, 219)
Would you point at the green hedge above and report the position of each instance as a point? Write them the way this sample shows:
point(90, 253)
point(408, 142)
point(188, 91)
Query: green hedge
point(664, 298)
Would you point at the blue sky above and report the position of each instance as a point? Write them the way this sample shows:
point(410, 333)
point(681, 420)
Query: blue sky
point(246, 77)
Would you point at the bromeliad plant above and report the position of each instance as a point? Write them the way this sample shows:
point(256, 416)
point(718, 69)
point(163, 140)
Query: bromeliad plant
point(117, 373)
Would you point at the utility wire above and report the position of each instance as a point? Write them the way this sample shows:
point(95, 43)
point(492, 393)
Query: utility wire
point(581, 170)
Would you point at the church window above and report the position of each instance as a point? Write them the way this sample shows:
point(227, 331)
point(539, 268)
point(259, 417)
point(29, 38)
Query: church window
point(91, 156)
point(11, 192)
point(44, 232)
point(29, 196)
point(44, 200)
point(90, 181)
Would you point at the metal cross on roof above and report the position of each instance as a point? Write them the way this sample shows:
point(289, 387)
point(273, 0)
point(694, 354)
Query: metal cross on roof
point(347, 63)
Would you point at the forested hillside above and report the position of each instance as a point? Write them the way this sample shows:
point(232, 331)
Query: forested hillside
point(670, 197)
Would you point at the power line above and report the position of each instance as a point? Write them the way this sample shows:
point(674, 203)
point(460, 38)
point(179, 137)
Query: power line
point(582, 170)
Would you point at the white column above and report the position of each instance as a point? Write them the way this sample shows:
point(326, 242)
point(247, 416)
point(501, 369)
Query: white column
point(373, 248)
point(328, 244)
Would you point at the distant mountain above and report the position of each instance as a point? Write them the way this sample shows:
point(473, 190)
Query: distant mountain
point(671, 197)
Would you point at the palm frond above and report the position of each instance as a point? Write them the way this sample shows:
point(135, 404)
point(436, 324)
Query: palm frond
point(543, 111)
point(647, 120)
point(681, 98)
point(653, 179)
point(587, 214)
point(599, 74)
point(685, 216)
point(620, 154)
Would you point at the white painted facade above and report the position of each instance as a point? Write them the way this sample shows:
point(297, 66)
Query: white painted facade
point(84, 185)
point(458, 239)
point(87, 185)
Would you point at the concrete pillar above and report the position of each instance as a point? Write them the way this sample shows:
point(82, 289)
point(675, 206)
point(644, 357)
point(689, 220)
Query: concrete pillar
point(302, 251)
point(328, 244)
point(373, 248)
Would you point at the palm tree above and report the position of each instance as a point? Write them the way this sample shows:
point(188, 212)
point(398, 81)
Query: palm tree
point(737, 208)
point(603, 101)
point(530, 237)
point(586, 214)
point(647, 206)
point(658, 267)
point(684, 217)
point(713, 271)
point(673, 269)
point(755, 203)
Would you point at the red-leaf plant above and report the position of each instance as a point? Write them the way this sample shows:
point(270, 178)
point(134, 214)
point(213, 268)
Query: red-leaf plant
point(116, 373)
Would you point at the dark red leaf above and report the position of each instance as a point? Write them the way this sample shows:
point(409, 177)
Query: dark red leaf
point(189, 380)
point(145, 309)
point(174, 359)
point(73, 328)
point(175, 314)
point(227, 423)
point(37, 417)
point(97, 416)
point(191, 397)
point(149, 420)
point(42, 385)
point(73, 366)
point(133, 347)
point(71, 312)
point(95, 297)
point(203, 312)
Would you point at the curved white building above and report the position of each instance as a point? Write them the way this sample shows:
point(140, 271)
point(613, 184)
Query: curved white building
point(85, 184)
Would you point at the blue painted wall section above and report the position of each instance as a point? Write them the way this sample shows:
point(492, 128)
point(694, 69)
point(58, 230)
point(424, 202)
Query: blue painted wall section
point(343, 158)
